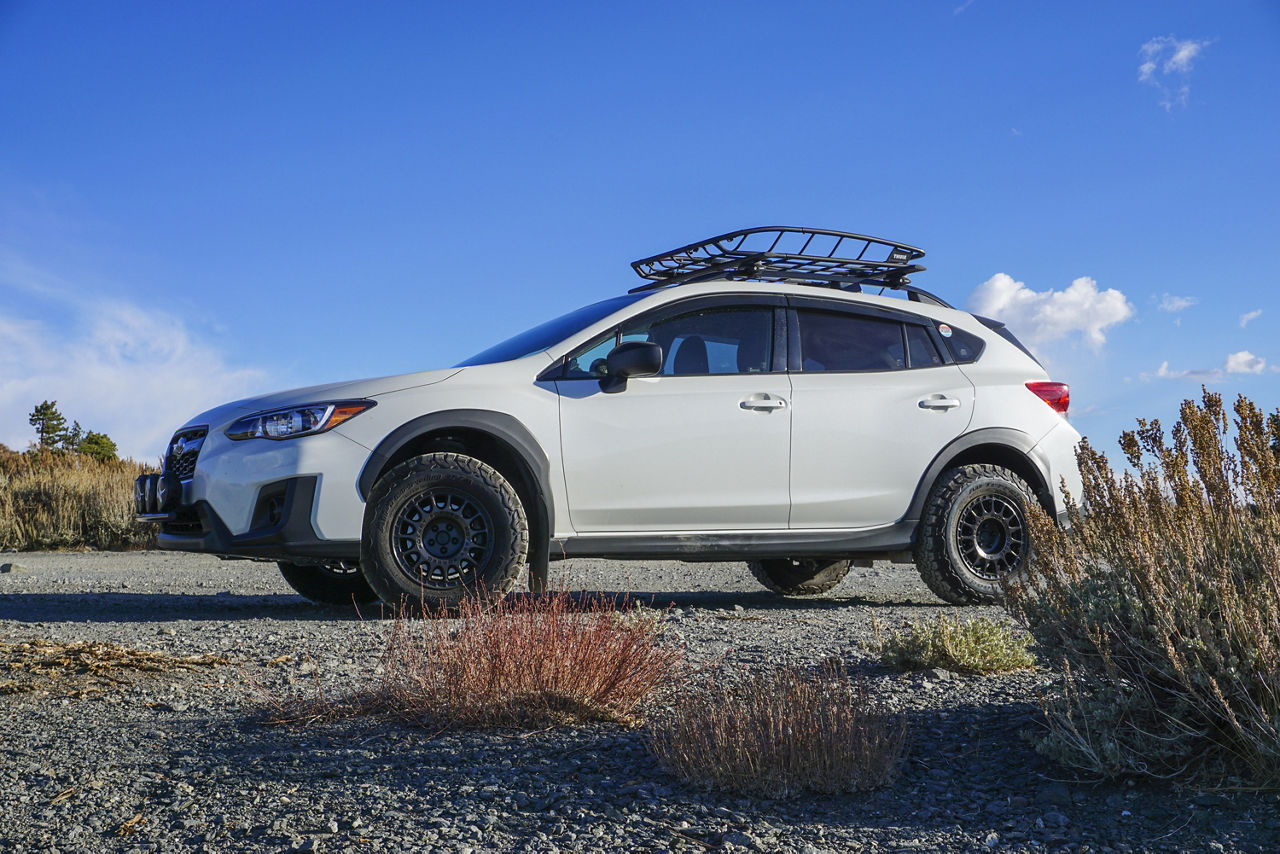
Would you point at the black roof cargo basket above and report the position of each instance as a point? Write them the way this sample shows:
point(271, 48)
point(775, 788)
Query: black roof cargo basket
point(784, 253)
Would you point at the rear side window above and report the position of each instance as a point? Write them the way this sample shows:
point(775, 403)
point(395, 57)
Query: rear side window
point(964, 346)
point(831, 341)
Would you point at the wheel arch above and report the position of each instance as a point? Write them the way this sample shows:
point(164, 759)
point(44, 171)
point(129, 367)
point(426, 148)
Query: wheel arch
point(494, 438)
point(1001, 446)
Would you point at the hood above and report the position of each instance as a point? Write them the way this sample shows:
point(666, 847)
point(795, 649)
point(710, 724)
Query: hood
point(351, 389)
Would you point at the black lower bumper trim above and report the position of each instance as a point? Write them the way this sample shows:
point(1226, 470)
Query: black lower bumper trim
point(287, 535)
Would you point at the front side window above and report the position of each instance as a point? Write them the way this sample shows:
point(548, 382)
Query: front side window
point(834, 341)
point(696, 343)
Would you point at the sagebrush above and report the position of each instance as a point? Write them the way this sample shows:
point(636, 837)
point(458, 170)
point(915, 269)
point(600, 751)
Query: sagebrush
point(976, 646)
point(1162, 604)
point(780, 732)
point(524, 661)
point(61, 499)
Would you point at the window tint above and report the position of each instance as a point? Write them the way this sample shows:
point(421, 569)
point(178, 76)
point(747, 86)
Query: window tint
point(713, 341)
point(964, 346)
point(832, 341)
point(920, 348)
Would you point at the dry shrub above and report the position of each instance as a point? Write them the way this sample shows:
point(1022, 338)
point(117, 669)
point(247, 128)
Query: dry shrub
point(524, 661)
point(82, 667)
point(53, 500)
point(1163, 604)
point(977, 646)
point(778, 733)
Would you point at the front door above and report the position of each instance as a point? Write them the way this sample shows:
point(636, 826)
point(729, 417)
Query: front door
point(702, 446)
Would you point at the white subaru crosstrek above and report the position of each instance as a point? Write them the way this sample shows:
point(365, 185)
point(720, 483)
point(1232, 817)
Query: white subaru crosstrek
point(751, 402)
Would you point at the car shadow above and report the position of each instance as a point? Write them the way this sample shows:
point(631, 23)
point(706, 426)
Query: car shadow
point(169, 607)
point(127, 607)
point(715, 600)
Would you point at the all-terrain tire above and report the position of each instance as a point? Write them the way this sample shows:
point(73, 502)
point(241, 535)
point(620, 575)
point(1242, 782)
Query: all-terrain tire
point(973, 533)
point(441, 527)
point(328, 586)
point(805, 577)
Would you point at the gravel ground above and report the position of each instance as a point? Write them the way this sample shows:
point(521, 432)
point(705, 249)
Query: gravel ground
point(176, 761)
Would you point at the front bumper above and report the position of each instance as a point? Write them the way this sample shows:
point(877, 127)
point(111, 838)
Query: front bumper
point(281, 527)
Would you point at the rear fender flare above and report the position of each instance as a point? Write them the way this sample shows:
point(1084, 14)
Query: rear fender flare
point(1002, 440)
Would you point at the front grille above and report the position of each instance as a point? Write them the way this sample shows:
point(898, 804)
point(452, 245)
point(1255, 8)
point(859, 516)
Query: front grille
point(180, 460)
point(185, 522)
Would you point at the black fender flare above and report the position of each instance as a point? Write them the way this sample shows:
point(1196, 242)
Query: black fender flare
point(497, 424)
point(1015, 441)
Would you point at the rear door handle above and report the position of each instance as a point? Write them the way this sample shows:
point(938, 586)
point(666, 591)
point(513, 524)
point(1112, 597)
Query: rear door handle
point(763, 402)
point(938, 401)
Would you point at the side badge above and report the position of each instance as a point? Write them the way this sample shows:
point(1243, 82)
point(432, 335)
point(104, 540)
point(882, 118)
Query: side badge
point(944, 330)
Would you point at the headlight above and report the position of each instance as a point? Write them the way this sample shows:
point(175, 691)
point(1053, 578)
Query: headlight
point(297, 420)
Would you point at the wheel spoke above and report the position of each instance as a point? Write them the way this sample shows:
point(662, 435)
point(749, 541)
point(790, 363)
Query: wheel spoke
point(991, 536)
point(442, 538)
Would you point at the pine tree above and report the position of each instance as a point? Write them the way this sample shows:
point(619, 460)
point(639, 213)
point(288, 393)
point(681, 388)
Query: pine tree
point(74, 437)
point(50, 426)
point(97, 445)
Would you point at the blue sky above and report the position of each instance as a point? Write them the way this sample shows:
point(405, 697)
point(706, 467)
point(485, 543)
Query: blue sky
point(200, 201)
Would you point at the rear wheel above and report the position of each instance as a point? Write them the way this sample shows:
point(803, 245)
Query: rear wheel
point(974, 533)
point(805, 577)
point(341, 584)
point(440, 527)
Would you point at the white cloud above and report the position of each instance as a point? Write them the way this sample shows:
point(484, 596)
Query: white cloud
point(1166, 65)
point(131, 372)
point(1245, 362)
point(1242, 362)
point(1248, 316)
point(1211, 375)
point(1039, 317)
point(1172, 303)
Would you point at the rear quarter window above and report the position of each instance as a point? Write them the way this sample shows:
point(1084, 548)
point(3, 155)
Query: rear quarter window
point(964, 346)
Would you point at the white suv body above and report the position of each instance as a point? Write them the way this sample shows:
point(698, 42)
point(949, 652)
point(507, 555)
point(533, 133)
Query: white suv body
point(743, 444)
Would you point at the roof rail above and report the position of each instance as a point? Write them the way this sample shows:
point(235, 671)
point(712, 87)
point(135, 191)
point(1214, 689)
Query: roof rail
point(784, 253)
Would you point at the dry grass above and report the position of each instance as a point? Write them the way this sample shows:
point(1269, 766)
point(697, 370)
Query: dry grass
point(54, 500)
point(1163, 604)
point(977, 646)
point(526, 661)
point(83, 667)
point(779, 733)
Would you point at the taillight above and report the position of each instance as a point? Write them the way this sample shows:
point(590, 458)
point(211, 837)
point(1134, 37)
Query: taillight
point(1057, 395)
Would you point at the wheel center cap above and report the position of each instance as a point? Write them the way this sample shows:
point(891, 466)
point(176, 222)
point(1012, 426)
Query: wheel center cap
point(443, 538)
point(992, 537)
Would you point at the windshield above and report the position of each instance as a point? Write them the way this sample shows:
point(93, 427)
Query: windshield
point(552, 332)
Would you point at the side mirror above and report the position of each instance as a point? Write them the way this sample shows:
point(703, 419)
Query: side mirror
point(634, 359)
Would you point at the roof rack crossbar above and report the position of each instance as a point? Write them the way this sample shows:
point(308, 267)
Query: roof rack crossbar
point(755, 253)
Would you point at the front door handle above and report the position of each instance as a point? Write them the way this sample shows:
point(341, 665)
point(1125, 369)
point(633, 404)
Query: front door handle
point(763, 402)
point(938, 401)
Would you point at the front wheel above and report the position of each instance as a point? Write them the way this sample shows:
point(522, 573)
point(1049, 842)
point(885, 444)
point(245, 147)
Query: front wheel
point(440, 527)
point(974, 534)
point(329, 585)
point(789, 577)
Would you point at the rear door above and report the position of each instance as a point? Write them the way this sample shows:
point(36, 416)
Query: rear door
point(703, 446)
point(873, 402)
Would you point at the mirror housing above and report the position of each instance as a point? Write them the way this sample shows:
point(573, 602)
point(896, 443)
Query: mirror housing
point(634, 359)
